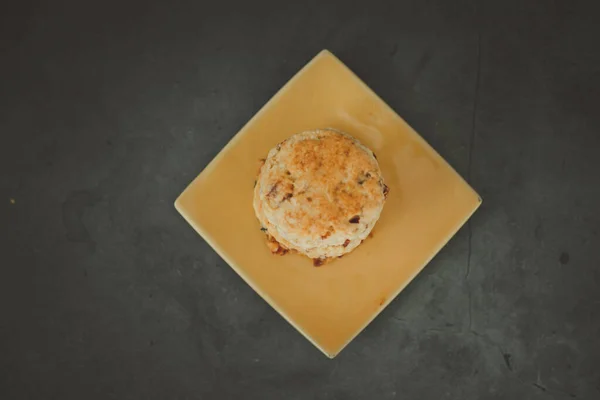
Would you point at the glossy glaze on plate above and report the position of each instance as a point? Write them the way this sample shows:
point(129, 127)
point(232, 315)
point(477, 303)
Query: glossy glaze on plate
point(428, 203)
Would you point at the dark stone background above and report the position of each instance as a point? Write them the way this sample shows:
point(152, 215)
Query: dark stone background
point(109, 109)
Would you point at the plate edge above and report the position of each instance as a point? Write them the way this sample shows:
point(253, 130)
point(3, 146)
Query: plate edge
point(414, 133)
point(270, 301)
point(179, 207)
point(178, 202)
point(243, 129)
point(410, 128)
point(418, 271)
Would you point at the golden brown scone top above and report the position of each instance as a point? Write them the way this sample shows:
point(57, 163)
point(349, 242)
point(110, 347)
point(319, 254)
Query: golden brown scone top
point(322, 182)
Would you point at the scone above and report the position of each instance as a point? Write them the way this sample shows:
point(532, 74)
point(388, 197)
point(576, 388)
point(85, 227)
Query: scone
point(319, 193)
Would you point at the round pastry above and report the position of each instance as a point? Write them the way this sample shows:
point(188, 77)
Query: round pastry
point(319, 193)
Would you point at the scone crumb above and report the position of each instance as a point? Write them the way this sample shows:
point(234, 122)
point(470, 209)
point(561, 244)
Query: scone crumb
point(275, 247)
point(317, 262)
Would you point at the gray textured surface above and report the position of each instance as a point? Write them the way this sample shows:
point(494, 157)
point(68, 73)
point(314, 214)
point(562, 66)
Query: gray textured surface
point(108, 111)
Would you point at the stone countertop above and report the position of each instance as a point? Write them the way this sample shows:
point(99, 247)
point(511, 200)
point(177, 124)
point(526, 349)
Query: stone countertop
point(108, 111)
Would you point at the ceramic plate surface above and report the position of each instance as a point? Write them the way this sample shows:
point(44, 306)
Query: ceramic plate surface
point(427, 204)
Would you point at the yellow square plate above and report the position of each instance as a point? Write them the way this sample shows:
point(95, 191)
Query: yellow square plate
point(427, 204)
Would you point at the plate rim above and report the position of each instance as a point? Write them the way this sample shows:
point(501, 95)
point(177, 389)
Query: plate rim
point(239, 270)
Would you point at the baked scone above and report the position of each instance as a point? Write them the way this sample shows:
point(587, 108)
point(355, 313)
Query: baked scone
point(319, 193)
